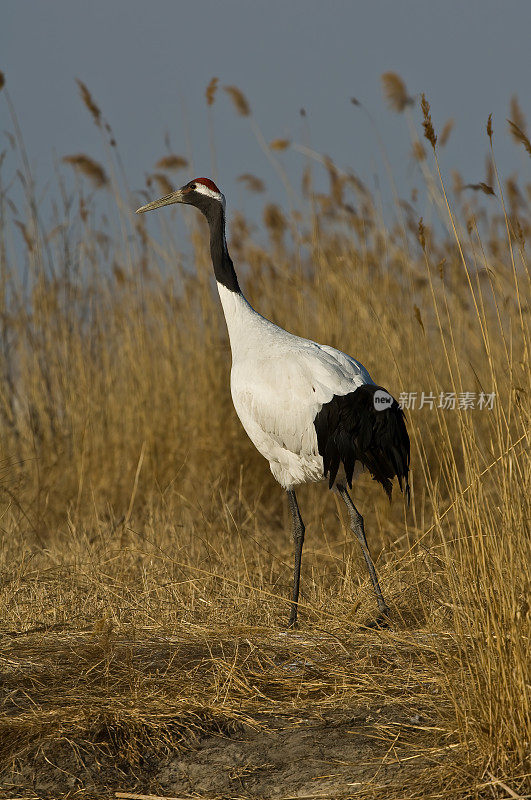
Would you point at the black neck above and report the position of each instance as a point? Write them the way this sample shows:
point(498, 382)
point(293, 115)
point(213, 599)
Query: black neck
point(221, 261)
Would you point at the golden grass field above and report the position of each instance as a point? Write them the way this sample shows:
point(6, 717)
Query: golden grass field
point(145, 554)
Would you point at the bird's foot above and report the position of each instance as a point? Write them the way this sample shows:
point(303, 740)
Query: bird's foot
point(382, 621)
point(293, 623)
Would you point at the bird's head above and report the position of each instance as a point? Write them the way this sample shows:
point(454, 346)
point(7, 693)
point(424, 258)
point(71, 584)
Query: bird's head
point(201, 193)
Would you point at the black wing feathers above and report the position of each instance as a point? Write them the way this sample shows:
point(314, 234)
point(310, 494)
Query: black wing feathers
point(349, 428)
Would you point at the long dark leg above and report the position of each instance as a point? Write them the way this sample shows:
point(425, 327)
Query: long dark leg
point(298, 541)
point(356, 525)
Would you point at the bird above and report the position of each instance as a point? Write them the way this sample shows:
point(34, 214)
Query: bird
point(312, 411)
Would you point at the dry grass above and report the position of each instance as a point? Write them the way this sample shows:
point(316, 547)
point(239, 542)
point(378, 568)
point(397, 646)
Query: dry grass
point(145, 556)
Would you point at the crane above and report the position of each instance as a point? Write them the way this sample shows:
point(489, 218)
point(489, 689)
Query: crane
point(312, 411)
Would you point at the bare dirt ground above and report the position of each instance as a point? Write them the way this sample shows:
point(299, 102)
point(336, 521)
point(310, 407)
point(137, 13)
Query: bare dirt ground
point(98, 715)
point(300, 757)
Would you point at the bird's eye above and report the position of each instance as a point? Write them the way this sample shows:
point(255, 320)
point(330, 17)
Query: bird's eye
point(192, 186)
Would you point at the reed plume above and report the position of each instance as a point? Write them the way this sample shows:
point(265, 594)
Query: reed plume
point(480, 187)
point(88, 167)
point(395, 92)
point(239, 100)
point(517, 115)
point(164, 186)
point(519, 136)
point(89, 102)
point(279, 144)
point(446, 131)
point(252, 183)
point(427, 124)
point(211, 91)
point(172, 162)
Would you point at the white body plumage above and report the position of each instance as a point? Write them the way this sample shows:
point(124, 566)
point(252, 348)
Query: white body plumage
point(279, 383)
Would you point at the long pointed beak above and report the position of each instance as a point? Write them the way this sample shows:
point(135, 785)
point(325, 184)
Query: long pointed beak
point(167, 200)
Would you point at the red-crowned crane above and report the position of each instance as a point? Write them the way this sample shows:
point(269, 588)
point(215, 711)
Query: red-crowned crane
point(311, 410)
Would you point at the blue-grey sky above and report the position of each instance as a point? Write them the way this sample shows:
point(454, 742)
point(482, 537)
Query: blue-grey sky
point(148, 63)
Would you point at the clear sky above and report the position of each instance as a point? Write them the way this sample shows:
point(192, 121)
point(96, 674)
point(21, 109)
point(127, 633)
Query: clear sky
point(148, 63)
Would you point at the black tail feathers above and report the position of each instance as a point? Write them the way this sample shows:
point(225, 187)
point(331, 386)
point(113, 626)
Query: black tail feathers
point(368, 426)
